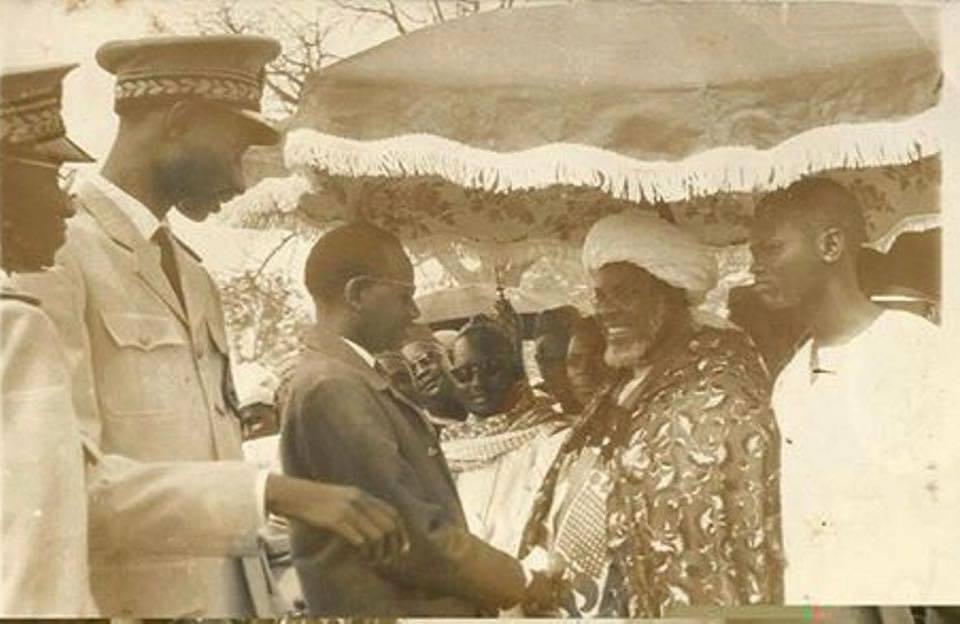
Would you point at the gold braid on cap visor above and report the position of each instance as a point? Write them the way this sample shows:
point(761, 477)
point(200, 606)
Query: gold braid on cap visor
point(32, 118)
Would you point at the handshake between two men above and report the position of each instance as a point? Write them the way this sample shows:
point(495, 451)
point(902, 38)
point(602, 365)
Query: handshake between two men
point(345, 423)
point(379, 536)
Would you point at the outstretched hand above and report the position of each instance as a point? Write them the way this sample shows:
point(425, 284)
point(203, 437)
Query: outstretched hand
point(362, 520)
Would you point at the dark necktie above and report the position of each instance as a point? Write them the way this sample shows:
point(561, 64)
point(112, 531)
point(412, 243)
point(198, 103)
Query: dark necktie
point(168, 262)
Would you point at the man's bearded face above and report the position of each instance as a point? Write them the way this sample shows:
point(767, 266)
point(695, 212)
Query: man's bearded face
point(631, 308)
point(200, 168)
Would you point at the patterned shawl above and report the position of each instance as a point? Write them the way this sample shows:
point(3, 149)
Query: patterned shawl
point(693, 515)
point(470, 445)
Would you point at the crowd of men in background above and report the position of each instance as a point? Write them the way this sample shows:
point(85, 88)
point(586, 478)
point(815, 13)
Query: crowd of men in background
point(658, 466)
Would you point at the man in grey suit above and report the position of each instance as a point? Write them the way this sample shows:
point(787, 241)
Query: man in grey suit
point(345, 424)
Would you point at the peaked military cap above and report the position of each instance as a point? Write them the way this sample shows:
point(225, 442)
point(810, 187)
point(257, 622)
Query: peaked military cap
point(31, 123)
point(225, 70)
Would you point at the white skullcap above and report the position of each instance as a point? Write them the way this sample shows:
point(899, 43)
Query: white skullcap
point(655, 245)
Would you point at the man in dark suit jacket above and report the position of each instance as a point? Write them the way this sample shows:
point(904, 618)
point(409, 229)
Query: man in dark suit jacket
point(345, 424)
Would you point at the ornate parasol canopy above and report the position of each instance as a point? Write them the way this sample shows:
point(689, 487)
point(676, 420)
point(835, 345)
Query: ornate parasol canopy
point(514, 127)
point(652, 81)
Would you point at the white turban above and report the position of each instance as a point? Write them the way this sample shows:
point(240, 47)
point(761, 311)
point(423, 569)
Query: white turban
point(655, 245)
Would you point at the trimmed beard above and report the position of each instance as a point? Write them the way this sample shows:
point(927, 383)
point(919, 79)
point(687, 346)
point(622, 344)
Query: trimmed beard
point(631, 357)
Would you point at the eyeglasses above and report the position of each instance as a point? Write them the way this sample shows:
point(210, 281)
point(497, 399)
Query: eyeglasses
point(66, 176)
point(407, 287)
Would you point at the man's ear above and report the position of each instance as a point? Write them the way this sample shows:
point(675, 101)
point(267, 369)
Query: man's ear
point(177, 119)
point(831, 244)
point(354, 293)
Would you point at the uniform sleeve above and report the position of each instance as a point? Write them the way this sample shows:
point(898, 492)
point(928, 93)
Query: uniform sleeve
point(44, 509)
point(334, 434)
point(175, 508)
point(191, 509)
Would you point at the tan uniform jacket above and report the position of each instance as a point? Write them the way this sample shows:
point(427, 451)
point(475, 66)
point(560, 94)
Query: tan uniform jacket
point(43, 570)
point(175, 510)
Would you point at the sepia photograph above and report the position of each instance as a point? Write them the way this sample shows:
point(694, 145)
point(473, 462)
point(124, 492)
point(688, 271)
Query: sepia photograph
point(377, 310)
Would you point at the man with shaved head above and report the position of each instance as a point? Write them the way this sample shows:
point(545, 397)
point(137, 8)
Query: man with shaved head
point(867, 453)
point(344, 423)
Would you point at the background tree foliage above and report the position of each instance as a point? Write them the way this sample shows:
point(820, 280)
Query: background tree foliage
point(266, 316)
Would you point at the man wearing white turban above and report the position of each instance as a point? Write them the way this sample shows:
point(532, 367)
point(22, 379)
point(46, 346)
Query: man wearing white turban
point(666, 492)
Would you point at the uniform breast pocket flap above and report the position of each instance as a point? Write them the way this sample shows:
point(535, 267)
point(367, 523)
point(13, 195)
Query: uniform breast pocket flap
point(218, 336)
point(143, 331)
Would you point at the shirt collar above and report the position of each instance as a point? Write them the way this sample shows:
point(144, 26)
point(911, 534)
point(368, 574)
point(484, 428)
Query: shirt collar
point(363, 353)
point(145, 221)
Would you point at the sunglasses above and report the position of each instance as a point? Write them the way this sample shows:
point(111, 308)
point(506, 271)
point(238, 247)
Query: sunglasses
point(482, 370)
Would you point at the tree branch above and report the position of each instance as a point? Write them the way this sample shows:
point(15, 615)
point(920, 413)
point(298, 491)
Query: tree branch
point(407, 16)
point(436, 11)
point(391, 15)
point(286, 97)
point(302, 67)
point(286, 77)
point(273, 252)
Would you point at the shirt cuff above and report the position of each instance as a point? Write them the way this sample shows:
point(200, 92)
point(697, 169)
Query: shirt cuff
point(261, 493)
point(537, 560)
point(527, 574)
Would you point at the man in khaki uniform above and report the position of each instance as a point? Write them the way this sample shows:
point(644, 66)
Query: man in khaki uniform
point(43, 567)
point(174, 511)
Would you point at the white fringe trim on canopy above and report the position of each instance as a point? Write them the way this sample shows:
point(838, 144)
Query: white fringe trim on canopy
point(730, 169)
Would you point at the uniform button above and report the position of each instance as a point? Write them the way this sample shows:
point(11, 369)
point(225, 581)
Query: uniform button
point(200, 351)
point(144, 340)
